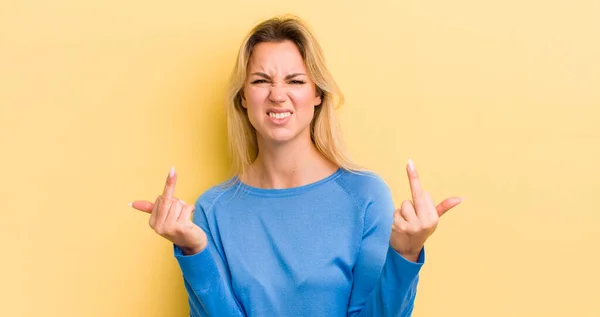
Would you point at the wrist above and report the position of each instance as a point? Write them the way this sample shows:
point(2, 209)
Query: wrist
point(192, 250)
point(410, 254)
point(413, 257)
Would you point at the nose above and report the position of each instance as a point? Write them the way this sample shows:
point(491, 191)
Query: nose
point(277, 94)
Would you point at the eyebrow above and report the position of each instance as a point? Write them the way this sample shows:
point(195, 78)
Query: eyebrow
point(290, 76)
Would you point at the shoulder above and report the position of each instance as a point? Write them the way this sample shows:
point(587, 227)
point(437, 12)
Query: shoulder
point(207, 200)
point(374, 198)
point(364, 186)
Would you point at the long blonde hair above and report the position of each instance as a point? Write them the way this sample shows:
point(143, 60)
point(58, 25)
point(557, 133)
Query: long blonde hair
point(324, 129)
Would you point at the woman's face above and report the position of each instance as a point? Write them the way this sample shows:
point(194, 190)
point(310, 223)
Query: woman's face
point(279, 95)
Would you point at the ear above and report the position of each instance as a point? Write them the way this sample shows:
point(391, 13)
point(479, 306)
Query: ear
point(318, 98)
point(243, 99)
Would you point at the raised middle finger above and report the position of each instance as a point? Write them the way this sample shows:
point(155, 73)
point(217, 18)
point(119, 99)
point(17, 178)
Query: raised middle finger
point(413, 180)
point(170, 185)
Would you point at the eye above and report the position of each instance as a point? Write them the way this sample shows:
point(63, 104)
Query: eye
point(259, 81)
point(298, 82)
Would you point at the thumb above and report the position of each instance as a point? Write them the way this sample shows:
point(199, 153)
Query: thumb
point(142, 205)
point(448, 204)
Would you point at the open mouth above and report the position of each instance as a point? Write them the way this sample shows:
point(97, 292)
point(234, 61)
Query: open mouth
point(279, 115)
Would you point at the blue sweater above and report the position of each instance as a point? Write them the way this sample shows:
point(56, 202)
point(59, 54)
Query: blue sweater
point(316, 250)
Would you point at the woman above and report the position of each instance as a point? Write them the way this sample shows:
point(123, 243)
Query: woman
point(299, 230)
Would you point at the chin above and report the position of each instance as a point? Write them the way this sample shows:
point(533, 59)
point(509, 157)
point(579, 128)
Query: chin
point(281, 137)
point(285, 134)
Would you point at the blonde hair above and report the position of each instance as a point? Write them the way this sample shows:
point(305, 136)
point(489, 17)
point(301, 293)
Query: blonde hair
point(324, 129)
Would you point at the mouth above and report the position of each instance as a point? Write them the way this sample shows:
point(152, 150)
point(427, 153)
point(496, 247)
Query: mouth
point(279, 115)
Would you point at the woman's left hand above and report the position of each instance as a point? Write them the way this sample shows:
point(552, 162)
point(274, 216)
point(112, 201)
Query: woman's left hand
point(416, 220)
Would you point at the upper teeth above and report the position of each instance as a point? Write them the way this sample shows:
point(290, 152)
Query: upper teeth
point(280, 115)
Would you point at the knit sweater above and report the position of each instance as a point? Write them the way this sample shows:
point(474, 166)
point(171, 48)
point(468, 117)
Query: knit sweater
point(320, 249)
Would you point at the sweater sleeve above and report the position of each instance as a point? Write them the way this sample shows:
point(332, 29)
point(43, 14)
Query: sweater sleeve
point(206, 277)
point(385, 283)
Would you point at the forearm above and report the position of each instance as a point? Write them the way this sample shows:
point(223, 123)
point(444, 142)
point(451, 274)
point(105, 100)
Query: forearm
point(395, 291)
point(207, 285)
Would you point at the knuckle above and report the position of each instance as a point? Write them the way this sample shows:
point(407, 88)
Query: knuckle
point(168, 230)
point(432, 221)
point(429, 225)
point(160, 230)
point(402, 227)
point(164, 201)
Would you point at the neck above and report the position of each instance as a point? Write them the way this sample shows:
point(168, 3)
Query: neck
point(287, 165)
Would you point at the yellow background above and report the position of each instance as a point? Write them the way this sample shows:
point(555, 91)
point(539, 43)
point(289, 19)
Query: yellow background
point(495, 101)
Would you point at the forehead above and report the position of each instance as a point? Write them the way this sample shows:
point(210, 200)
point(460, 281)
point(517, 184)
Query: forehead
point(276, 57)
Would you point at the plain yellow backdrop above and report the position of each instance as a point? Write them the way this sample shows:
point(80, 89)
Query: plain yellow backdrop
point(496, 101)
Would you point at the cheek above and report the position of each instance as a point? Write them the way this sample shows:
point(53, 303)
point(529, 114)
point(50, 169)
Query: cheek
point(254, 101)
point(304, 98)
point(255, 97)
point(255, 94)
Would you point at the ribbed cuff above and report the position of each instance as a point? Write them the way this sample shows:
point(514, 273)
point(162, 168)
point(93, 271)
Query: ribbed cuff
point(199, 270)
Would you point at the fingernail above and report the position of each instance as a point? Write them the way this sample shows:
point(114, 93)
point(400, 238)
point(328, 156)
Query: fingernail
point(183, 202)
point(411, 166)
point(172, 172)
point(130, 204)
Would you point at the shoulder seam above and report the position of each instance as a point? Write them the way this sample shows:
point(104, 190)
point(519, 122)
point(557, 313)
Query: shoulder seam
point(214, 201)
point(342, 185)
point(358, 206)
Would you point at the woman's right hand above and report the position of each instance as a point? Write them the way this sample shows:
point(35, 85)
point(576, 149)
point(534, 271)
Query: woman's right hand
point(171, 218)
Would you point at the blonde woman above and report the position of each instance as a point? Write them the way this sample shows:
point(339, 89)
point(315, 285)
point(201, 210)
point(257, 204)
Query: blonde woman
point(299, 229)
